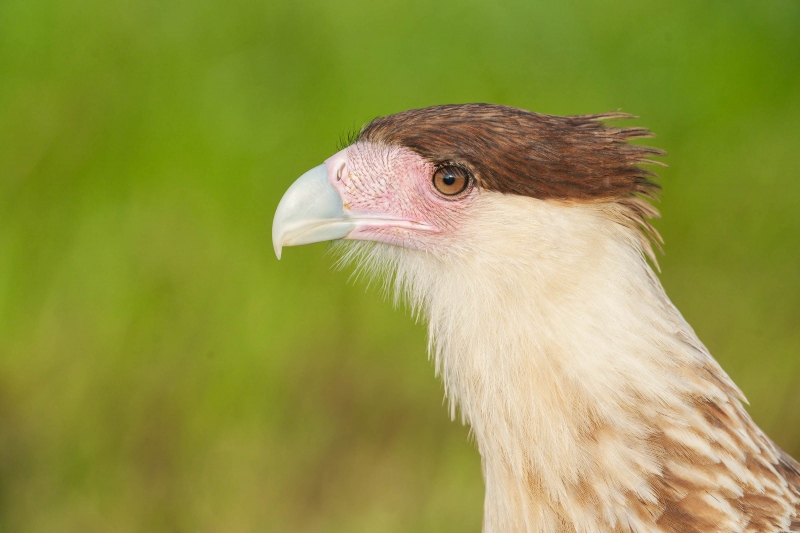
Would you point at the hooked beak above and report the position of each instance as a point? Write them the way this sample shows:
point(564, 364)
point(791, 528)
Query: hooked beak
point(310, 211)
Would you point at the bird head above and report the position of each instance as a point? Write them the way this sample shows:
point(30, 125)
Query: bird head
point(520, 238)
point(444, 180)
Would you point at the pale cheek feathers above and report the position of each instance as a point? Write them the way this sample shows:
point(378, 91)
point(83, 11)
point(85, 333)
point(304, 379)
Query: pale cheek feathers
point(390, 181)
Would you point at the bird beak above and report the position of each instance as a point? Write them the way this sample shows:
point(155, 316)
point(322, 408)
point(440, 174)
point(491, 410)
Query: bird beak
point(310, 211)
point(314, 210)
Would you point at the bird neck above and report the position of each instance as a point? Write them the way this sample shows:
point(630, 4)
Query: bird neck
point(562, 359)
point(593, 404)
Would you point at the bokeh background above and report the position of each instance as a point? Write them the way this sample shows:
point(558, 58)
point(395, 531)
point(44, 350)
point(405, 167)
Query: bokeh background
point(160, 370)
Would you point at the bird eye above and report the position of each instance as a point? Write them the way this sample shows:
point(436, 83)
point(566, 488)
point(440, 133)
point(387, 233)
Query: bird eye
point(450, 180)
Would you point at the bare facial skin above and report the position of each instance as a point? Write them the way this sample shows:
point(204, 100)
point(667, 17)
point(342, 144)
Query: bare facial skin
point(396, 185)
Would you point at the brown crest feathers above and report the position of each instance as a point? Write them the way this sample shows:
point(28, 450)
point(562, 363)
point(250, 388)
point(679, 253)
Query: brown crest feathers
point(514, 151)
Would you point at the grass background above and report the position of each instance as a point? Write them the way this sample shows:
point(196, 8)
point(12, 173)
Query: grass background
point(160, 370)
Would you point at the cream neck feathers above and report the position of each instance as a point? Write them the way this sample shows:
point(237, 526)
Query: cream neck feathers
point(556, 343)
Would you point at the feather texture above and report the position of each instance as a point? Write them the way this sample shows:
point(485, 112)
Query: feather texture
point(593, 404)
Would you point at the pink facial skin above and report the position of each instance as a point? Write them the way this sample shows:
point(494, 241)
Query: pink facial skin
point(389, 191)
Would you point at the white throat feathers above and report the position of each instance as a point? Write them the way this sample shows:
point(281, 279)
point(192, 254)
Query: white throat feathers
point(593, 404)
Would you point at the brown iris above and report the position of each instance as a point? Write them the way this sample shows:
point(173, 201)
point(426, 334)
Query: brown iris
point(450, 180)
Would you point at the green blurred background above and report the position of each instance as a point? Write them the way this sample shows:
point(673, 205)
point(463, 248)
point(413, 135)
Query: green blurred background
point(160, 370)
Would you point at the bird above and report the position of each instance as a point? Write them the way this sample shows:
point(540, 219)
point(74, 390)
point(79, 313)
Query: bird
point(525, 242)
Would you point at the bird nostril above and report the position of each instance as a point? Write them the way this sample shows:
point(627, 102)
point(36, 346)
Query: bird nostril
point(340, 172)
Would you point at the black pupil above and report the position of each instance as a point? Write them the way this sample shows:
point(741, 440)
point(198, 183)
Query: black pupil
point(449, 178)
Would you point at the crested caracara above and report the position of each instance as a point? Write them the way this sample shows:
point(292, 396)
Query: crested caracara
point(522, 239)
